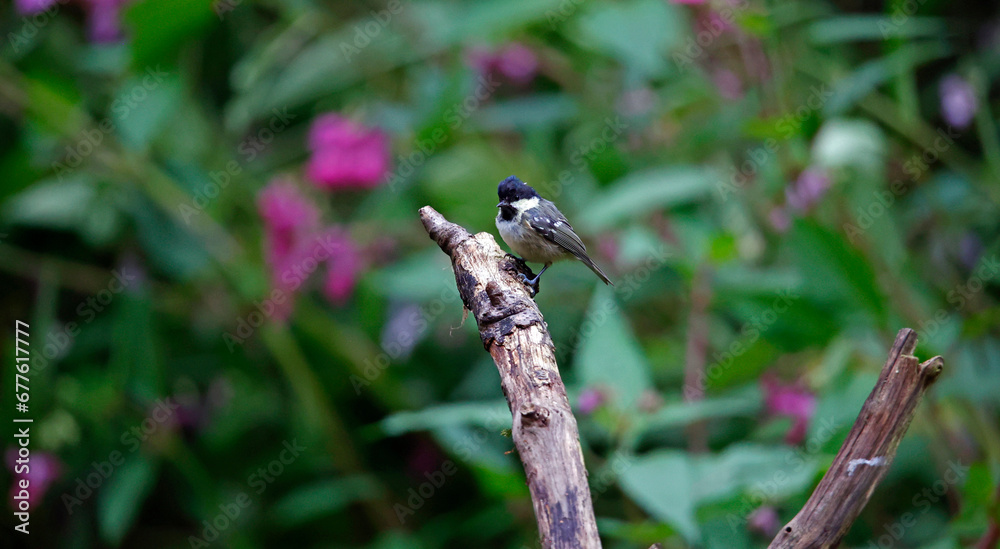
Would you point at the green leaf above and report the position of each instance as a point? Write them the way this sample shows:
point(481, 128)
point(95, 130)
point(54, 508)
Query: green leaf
point(538, 110)
point(872, 74)
point(851, 28)
point(490, 18)
point(420, 277)
point(662, 484)
point(835, 270)
point(684, 413)
point(52, 203)
point(486, 414)
point(321, 499)
point(671, 484)
point(610, 355)
point(640, 33)
point(144, 106)
point(135, 355)
point(158, 28)
point(121, 498)
point(640, 193)
point(168, 245)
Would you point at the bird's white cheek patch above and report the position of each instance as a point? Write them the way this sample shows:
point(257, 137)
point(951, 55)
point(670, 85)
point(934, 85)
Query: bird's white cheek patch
point(525, 204)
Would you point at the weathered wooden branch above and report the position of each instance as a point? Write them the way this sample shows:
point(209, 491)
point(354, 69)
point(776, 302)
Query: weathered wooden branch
point(514, 333)
point(865, 456)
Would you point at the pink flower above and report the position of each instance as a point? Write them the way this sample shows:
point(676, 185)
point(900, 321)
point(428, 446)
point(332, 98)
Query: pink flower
point(288, 216)
point(807, 190)
point(712, 22)
point(343, 267)
point(779, 219)
point(31, 7)
point(589, 400)
point(102, 16)
point(103, 20)
point(728, 83)
point(958, 101)
point(42, 470)
point(346, 155)
point(691, 2)
point(791, 400)
point(515, 62)
point(296, 246)
point(764, 521)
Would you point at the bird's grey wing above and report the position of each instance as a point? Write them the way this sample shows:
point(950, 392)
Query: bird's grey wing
point(554, 227)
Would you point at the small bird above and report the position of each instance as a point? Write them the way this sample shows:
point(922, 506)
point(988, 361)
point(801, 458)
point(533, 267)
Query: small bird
point(536, 230)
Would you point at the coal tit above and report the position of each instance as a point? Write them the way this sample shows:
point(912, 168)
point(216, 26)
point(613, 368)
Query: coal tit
point(536, 230)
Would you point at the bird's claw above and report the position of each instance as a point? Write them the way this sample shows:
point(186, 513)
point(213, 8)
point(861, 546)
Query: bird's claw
point(532, 283)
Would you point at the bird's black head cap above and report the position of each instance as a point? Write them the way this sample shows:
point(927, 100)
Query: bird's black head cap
point(513, 189)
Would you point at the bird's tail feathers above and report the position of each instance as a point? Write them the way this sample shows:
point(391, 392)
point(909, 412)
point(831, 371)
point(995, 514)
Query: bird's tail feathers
point(597, 270)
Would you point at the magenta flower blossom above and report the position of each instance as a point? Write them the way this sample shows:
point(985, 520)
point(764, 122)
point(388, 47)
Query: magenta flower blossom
point(764, 520)
point(590, 400)
point(515, 62)
point(779, 219)
point(792, 401)
point(343, 267)
point(345, 154)
point(31, 7)
point(288, 216)
point(296, 246)
point(43, 469)
point(807, 190)
point(103, 18)
point(958, 101)
point(728, 83)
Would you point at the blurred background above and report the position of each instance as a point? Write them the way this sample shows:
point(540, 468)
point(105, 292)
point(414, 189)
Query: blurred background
point(241, 336)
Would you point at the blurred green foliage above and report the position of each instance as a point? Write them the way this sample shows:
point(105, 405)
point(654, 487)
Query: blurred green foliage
point(776, 187)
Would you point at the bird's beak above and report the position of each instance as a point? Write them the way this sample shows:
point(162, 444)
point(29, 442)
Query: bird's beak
point(501, 203)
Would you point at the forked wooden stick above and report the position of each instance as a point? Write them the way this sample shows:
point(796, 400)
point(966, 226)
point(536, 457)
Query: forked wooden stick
point(865, 456)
